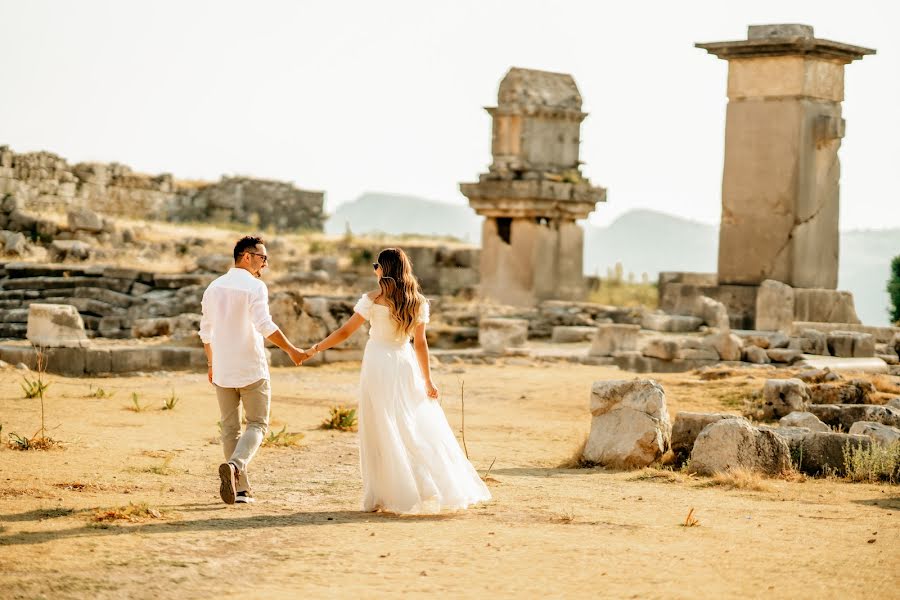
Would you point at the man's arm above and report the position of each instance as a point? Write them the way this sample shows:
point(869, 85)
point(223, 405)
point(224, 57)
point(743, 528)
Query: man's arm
point(208, 349)
point(297, 355)
point(206, 335)
point(262, 321)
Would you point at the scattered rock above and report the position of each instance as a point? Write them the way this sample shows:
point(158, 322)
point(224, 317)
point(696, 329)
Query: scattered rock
point(780, 397)
point(784, 355)
point(630, 427)
point(611, 338)
point(851, 344)
point(845, 415)
point(756, 355)
point(84, 219)
point(61, 250)
point(687, 426)
point(731, 444)
point(774, 306)
point(880, 433)
point(854, 391)
point(568, 334)
point(803, 419)
point(727, 345)
point(822, 453)
point(662, 348)
point(660, 321)
point(55, 326)
point(496, 334)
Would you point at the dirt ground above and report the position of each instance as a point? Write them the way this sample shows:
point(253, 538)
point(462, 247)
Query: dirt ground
point(547, 532)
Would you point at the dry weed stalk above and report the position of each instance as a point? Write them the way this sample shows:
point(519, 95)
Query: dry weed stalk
point(739, 479)
point(35, 388)
point(691, 520)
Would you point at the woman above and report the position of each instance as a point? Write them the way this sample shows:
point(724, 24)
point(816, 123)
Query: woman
point(410, 461)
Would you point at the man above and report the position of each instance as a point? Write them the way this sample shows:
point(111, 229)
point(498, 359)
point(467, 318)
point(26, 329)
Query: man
point(235, 320)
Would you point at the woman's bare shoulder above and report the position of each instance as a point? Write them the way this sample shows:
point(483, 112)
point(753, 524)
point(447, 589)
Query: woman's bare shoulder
point(373, 295)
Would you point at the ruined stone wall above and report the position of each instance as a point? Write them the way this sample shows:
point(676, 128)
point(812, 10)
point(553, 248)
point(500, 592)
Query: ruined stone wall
point(47, 182)
point(262, 203)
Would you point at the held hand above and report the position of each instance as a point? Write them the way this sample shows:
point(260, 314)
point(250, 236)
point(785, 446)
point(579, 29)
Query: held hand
point(297, 356)
point(209, 373)
point(431, 390)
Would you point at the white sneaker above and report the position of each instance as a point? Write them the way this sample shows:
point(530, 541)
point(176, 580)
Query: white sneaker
point(244, 498)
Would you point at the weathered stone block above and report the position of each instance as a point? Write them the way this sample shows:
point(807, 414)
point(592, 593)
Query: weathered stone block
point(630, 427)
point(850, 344)
point(756, 355)
point(731, 444)
point(97, 361)
point(774, 306)
point(131, 360)
point(69, 362)
point(784, 355)
point(845, 415)
point(803, 419)
point(496, 334)
point(55, 326)
point(85, 220)
point(880, 433)
point(780, 397)
point(661, 348)
point(854, 391)
point(727, 345)
point(613, 337)
point(822, 453)
point(565, 334)
point(687, 426)
point(658, 321)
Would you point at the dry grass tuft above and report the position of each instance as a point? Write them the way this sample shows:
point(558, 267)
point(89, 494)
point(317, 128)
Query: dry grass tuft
point(77, 486)
point(36, 442)
point(136, 405)
point(577, 460)
point(661, 475)
point(886, 384)
point(564, 518)
point(341, 418)
point(876, 463)
point(164, 469)
point(133, 513)
point(739, 479)
point(282, 439)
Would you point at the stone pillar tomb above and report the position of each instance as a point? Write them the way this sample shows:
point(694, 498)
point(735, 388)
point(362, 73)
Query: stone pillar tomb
point(533, 192)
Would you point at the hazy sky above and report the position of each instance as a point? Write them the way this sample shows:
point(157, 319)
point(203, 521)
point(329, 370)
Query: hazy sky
point(387, 96)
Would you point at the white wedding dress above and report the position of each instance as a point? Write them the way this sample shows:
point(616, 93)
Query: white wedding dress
point(410, 460)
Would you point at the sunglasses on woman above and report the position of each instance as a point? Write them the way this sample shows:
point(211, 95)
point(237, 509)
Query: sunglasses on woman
point(375, 266)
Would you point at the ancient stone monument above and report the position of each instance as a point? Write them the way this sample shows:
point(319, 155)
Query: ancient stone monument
point(781, 176)
point(534, 191)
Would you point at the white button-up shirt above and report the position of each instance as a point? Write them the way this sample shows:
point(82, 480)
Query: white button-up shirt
point(235, 322)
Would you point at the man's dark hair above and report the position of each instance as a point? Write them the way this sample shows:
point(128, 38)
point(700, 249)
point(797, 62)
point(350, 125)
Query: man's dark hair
point(248, 242)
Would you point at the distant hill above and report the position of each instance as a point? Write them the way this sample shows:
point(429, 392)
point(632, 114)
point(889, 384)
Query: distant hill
point(396, 215)
point(643, 241)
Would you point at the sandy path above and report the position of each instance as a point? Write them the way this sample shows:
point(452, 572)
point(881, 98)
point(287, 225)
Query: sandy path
point(548, 532)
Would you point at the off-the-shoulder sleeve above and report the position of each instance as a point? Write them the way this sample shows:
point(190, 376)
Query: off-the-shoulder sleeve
point(424, 312)
point(364, 306)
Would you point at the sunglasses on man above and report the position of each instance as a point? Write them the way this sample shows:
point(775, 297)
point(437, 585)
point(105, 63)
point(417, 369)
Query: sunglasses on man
point(264, 257)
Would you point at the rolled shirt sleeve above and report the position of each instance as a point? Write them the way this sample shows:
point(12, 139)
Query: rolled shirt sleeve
point(259, 313)
point(206, 321)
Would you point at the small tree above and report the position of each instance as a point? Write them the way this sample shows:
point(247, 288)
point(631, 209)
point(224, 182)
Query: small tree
point(893, 288)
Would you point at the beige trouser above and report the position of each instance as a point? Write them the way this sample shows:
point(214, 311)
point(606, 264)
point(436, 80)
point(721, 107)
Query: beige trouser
point(240, 448)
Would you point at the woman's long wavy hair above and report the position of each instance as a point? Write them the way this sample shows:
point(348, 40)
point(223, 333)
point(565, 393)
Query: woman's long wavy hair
point(400, 289)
